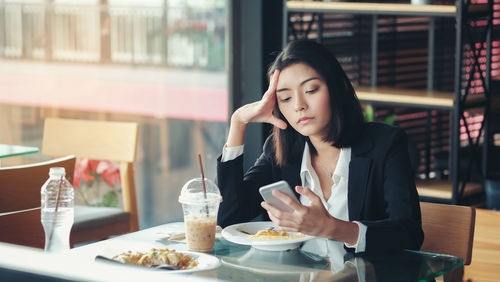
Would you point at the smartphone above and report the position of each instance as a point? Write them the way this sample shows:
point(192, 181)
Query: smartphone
point(267, 195)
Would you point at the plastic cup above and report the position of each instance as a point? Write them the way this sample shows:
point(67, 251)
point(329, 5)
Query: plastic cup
point(200, 213)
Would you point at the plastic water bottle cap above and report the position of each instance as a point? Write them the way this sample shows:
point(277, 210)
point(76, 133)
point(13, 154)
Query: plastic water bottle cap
point(57, 171)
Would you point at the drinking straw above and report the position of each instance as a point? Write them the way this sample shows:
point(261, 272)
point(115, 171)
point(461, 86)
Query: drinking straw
point(19, 211)
point(55, 211)
point(203, 181)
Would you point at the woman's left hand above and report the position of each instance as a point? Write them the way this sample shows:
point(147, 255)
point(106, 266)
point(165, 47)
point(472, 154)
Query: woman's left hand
point(311, 219)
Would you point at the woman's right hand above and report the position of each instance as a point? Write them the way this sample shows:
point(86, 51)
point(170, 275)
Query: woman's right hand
point(261, 111)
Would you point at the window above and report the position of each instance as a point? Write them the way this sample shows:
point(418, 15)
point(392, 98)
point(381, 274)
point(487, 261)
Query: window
point(160, 63)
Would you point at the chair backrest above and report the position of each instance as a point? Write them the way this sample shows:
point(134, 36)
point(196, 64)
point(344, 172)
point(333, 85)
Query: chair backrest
point(486, 255)
point(99, 140)
point(448, 229)
point(19, 190)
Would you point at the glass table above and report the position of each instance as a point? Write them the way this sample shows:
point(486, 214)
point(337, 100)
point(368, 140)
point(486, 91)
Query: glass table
point(244, 263)
point(15, 150)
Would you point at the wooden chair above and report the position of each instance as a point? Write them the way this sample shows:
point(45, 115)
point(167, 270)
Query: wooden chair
point(20, 190)
point(449, 229)
point(99, 140)
point(485, 264)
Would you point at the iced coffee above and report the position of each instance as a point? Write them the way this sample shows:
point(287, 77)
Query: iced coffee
point(200, 214)
point(200, 233)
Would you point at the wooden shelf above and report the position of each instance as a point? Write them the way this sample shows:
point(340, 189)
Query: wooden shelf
point(405, 97)
point(373, 8)
point(394, 9)
point(412, 98)
point(443, 189)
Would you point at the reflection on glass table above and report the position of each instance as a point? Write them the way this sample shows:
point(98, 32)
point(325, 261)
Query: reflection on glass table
point(15, 150)
point(244, 263)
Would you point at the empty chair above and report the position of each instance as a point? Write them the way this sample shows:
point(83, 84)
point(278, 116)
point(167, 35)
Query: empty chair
point(98, 140)
point(449, 229)
point(20, 190)
point(485, 264)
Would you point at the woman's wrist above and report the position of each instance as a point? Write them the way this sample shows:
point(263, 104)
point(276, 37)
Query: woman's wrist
point(331, 228)
point(345, 231)
point(353, 234)
point(235, 118)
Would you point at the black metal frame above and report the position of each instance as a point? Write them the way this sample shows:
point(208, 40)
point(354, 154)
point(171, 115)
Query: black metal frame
point(466, 29)
point(469, 30)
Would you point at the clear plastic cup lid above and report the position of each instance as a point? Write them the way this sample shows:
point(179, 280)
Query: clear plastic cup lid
point(192, 192)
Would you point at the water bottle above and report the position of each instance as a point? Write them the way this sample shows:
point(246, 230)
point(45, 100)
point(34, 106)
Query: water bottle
point(57, 210)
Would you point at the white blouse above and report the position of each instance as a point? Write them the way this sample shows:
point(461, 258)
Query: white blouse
point(336, 204)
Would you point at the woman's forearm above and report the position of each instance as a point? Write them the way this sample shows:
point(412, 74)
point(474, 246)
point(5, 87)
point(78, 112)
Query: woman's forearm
point(237, 129)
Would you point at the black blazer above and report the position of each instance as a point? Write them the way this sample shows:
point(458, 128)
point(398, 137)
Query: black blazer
point(381, 188)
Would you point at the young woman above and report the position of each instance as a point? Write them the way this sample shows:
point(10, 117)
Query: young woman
point(353, 179)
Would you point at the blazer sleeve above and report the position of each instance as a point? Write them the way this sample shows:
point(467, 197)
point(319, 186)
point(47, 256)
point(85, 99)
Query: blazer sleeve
point(240, 192)
point(401, 227)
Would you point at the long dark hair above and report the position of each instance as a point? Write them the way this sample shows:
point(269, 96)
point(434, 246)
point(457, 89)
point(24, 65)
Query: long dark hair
point(347, 117)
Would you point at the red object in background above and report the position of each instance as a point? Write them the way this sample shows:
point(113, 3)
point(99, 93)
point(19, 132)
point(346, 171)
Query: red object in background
point(88, 170)
point(109, 171)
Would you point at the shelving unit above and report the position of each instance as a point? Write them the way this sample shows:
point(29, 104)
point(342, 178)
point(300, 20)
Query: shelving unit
point(456, 189)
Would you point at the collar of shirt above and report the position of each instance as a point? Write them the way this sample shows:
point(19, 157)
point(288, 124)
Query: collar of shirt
point(341, 170)
point(306, 167)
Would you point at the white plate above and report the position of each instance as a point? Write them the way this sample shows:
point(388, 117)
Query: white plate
point(205, 261)
point(239, 234)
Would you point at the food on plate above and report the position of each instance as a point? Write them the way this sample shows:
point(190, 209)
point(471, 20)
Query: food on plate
point(157, 257)
point(271, 234)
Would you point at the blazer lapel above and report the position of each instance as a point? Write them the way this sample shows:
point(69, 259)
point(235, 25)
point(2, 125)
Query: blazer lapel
point(359, 168)
point(359, 171)
point(291, 174)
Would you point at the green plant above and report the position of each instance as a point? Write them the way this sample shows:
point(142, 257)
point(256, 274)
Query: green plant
point(369, 115)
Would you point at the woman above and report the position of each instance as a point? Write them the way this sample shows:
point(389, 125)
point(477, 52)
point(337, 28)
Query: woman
point(353, 179)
